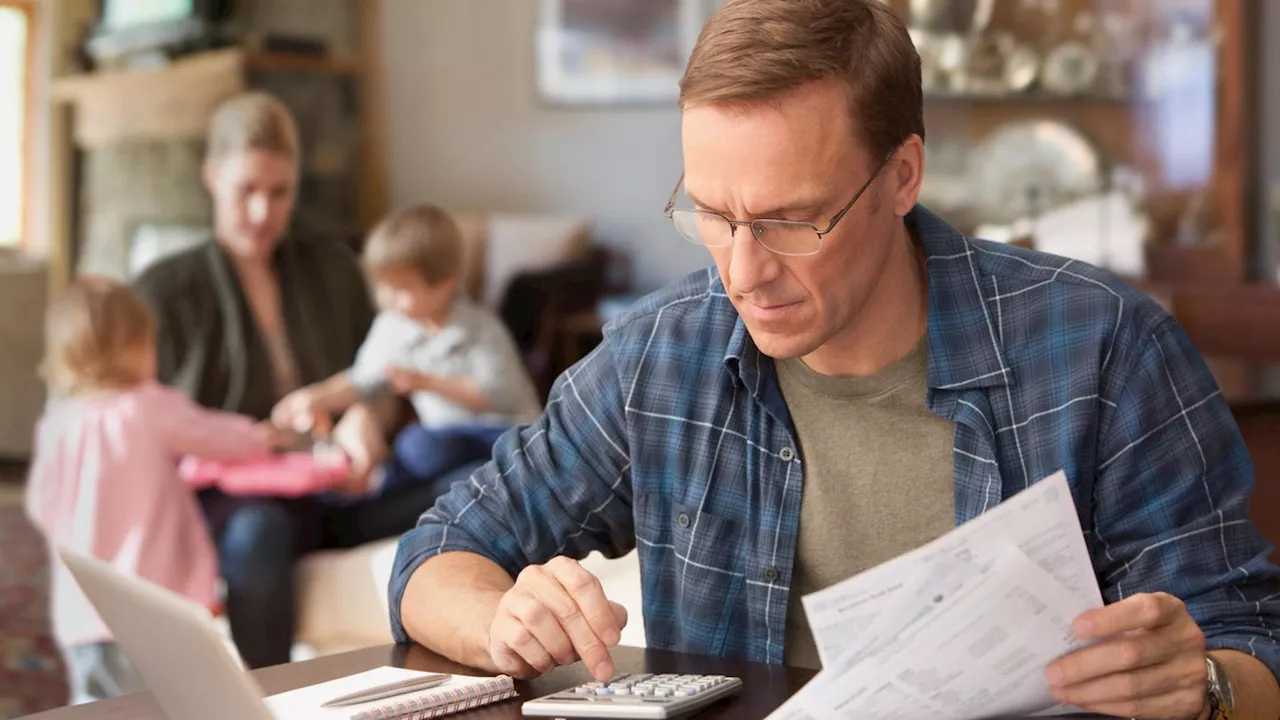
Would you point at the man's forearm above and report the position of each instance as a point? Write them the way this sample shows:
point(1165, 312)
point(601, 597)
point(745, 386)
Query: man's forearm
point(1257, 696)
point(449, 604)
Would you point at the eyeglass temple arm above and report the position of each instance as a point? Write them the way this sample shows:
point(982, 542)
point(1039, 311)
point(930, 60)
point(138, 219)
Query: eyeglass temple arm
point(671, 201)
point(831, 225)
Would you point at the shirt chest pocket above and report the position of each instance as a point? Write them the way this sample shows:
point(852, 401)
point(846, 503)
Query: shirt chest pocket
point(709, 576)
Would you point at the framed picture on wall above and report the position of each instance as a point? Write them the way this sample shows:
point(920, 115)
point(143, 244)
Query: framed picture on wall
point(602, 52)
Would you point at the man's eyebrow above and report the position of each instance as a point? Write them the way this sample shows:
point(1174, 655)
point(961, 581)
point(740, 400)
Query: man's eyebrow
point(795, 208)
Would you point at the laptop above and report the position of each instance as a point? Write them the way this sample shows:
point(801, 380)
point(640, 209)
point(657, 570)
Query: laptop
point(168, 638)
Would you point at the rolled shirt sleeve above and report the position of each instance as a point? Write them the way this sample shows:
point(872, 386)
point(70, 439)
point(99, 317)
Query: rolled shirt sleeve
point(1172, 496)
point(560, 486)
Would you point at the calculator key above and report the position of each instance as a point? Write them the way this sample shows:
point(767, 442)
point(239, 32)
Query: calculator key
point(604, 691)
point(583, 691)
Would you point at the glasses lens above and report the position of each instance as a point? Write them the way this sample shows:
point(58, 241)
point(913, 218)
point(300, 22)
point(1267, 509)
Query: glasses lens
point(703, 228)
point(787, 238)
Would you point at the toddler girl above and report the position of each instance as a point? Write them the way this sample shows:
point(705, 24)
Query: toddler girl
point(104, 477)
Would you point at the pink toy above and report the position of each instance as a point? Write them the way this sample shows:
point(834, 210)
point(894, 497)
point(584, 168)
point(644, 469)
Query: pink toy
point(291, 474)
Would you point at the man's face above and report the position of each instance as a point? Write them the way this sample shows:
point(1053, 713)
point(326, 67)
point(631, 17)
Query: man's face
point(253, 195)
point(796, 159)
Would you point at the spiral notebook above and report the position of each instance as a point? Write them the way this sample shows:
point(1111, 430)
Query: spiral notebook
point(461, 692)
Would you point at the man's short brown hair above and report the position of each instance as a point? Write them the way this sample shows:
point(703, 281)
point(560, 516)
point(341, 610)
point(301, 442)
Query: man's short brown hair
point(752, 51)
point(422, 238)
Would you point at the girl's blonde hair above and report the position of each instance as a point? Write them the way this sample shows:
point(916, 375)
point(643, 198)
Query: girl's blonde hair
point(94, 329)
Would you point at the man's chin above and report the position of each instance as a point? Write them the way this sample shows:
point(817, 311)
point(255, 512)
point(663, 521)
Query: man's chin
point(781, 345)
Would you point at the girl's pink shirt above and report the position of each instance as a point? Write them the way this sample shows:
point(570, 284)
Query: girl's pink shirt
point(104, 483)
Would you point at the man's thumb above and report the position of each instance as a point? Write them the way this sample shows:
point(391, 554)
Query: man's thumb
point(619, 614)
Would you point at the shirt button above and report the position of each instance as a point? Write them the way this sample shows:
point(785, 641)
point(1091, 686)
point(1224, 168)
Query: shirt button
point(787, 454)
point(683, 520)
point(770, 574)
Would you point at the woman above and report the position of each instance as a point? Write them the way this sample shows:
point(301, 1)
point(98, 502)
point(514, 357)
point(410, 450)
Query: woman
point(244, 320)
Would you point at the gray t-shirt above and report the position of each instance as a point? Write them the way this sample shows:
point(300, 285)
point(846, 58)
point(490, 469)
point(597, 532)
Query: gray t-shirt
point(473, 344)
point(878, 477)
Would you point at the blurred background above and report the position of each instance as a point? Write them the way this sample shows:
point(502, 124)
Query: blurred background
point(1138, 135)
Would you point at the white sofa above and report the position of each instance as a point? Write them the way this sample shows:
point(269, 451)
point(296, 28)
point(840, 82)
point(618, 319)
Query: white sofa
point(342, 598)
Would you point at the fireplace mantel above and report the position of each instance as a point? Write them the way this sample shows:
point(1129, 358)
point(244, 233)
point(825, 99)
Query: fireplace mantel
point(171, 102)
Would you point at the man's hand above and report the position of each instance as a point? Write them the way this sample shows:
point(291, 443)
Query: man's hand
point(360, 437)
point(1149, 661)
point(554, 615)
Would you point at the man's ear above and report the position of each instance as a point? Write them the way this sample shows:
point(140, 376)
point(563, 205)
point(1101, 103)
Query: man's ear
point(907, 170)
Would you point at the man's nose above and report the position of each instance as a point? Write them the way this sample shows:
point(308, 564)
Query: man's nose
point(751, 265)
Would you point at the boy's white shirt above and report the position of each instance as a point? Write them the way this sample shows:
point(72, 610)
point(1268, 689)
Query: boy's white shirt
point(473, 344)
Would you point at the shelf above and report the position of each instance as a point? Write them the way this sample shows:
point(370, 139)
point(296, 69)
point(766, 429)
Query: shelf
point(1032, 98)
point(301, 62)
point(174, 101)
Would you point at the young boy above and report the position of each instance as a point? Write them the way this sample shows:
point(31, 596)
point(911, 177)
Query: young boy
point(455, 361)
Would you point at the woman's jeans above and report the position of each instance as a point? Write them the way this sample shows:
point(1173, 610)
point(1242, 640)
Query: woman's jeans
point(259, 539)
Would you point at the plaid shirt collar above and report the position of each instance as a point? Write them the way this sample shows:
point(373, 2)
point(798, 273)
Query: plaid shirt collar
point(964, 347)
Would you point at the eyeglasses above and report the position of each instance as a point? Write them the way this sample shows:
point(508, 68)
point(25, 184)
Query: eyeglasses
point(784, 237)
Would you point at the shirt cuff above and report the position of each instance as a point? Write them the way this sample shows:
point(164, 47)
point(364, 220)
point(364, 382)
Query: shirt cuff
point(416, 547)
point(1265, 649)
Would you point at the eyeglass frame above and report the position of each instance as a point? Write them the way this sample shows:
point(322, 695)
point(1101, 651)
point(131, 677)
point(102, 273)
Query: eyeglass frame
point(670, 209)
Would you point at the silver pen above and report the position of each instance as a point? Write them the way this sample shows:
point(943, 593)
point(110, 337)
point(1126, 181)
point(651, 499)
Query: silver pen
point(389, 690)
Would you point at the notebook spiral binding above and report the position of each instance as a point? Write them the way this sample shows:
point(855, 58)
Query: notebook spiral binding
point(443, 701)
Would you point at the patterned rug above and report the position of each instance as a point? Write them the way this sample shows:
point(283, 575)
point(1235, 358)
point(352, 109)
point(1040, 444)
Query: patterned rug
point(31, 675)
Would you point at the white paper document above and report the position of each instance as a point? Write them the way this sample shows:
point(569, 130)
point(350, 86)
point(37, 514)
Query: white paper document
point(960, 628)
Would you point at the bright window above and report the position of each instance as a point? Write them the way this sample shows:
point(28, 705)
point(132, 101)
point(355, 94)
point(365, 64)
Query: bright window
point(15, 35)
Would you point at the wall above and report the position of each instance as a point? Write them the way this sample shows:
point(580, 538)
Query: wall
point(1269, 125)
point(467, 131)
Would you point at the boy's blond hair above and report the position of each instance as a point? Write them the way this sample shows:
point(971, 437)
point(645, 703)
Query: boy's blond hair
point(422, 238)
point(252, 121)
point(94, 329)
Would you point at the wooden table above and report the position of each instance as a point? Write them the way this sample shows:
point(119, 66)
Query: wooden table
point(765, 687)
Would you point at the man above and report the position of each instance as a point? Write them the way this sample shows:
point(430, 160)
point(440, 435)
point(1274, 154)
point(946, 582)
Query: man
point(856, 379)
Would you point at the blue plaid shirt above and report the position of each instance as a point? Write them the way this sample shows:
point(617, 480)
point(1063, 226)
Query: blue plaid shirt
point(673, 438)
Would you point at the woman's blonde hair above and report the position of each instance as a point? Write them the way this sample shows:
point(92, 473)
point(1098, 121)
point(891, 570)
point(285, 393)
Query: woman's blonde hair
point(94, 329)
point(252, 121)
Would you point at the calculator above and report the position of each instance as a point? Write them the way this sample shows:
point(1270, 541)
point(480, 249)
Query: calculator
point(636, 696)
